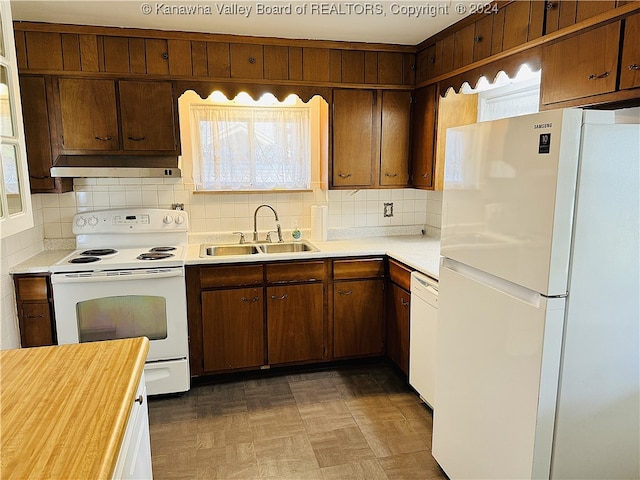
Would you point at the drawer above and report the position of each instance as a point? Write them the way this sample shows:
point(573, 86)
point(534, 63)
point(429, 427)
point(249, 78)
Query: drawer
point(231, 276)
point(295, 272)
point(32, 288)
point(400, 274)
point(358, 268)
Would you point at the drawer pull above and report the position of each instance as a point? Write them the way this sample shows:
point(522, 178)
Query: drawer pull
point(634, 66)
point(104, 139)
point(404, 304)
point(136, 139)
point(254, 299)
point(596, 77)
point(344, 175)
point(140, 399)
point(391, 175)
point(33, 317)
point(425, 175)
point(273, 297)
point(345, 292)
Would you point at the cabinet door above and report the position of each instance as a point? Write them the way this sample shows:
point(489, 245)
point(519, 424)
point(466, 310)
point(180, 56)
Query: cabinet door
point(394, 138)
point(147, 115)
point(630, 63)
point(232, 329)
point(357, 318)
point(398, 327)
point(581, 66)
point(35, 325)
point(424, 122)
point(353, 137)
point(35, 114)
point(89, 115)
point(295, 323)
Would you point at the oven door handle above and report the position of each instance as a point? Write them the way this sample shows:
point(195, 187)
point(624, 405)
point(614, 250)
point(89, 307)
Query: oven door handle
point(116, 275)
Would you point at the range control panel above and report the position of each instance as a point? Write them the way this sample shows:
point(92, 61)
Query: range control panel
point(130, 220)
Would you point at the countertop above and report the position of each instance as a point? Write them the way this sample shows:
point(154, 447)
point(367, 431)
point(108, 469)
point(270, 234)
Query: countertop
point(65, 408)
point(417, 251)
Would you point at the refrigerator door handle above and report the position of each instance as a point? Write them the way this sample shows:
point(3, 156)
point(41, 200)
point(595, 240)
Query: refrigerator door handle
point(524, 294)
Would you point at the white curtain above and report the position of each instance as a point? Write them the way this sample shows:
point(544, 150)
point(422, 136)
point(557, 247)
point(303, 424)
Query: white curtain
point(251, 148)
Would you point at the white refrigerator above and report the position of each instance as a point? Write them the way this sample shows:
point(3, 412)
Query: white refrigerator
point(538, 372)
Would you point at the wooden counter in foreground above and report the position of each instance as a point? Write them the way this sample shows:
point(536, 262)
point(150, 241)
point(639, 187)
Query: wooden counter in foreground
point(64, 409)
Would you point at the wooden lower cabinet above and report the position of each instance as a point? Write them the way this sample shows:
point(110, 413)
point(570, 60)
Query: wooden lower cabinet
point(358, 327)
point(34, 299)
point(295, 323)
point(399, 303)
point(232, 329)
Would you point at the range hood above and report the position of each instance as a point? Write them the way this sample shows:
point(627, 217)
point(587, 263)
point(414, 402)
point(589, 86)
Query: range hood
point(75, 166)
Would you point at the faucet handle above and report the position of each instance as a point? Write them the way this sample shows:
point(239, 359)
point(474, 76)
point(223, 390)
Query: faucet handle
point(268, 239)
point(242, 239)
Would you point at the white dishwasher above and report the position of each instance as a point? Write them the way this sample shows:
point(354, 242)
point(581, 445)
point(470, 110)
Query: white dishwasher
point(422, 336)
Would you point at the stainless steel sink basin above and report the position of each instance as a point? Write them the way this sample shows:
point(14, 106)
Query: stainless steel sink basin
point(221, 250)
point(287, 247)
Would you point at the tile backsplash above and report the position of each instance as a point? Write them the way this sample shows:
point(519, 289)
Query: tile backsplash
point(226, 212)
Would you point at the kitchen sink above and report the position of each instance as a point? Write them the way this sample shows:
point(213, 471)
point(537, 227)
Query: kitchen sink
point(221, 250)
point(287, 247)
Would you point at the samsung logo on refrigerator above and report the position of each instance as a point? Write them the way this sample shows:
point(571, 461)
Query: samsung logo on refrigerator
point(542, 125)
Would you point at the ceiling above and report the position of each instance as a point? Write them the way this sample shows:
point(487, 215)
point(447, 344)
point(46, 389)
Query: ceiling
point(396, 22)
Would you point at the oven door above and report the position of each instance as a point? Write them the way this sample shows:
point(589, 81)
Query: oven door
point(93, 306)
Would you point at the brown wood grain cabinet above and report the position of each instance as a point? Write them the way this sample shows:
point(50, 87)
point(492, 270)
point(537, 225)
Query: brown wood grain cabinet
point(630, 62)
point(423, 136)
point(370, 132)
point(295, 323)
point(399, 305)
point(581, 66)
point(95, 112)
point(233, 329)
point(34, 300)
point(38, 136)
point(358, 307)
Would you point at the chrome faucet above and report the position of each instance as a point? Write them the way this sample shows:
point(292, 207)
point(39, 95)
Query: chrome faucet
point(255, 223)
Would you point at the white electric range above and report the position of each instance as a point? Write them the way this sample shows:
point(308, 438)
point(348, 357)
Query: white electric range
point(126, 279)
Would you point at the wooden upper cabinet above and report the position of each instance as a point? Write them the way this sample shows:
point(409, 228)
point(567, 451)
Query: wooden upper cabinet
point(276, 62)
point(423, 137)
point(44, 50)
point(516, 24)
point(394, 138)
point(353, 137)
point(581, 66)
point(147, 115)
point(88, 113)
point(157, 56)
point(630, 62)
point(590, 9)
point(464, 40)
point(482, 38)
point(390, 67)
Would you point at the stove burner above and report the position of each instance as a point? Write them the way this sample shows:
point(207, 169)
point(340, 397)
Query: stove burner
point(99, 252)
point(154, 256)
point(84, 260)
point(162, 249)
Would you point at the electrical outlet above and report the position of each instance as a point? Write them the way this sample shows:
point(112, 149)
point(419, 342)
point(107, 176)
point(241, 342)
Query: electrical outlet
point(388, 209)
point(177, 206)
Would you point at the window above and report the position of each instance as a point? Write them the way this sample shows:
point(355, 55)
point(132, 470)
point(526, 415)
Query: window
point(240, 147)
point(15, 199)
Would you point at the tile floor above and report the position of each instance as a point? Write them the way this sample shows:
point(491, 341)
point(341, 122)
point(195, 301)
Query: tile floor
point(358, 422)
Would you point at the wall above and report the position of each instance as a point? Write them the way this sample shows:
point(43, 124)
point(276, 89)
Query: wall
point(13, 250)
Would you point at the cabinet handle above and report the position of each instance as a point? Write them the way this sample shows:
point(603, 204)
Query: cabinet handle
point(273, 297)
point(425, 175)
point(634, 66)
point(345, 292)
point(343, 175)
point(245, 299)
point(404, 304)
point(33, 317)
point(549, 5)
point(391, 175)
point(136, 139)
point(104, 139)
point(140, 399)
point(252, 60)
point(477, 39)
point(602, 75)
point(164, 56)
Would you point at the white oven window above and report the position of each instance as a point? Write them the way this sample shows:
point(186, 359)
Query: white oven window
point(127, 316)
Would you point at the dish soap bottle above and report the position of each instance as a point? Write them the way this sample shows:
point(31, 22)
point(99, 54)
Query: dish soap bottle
point(296, 233)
